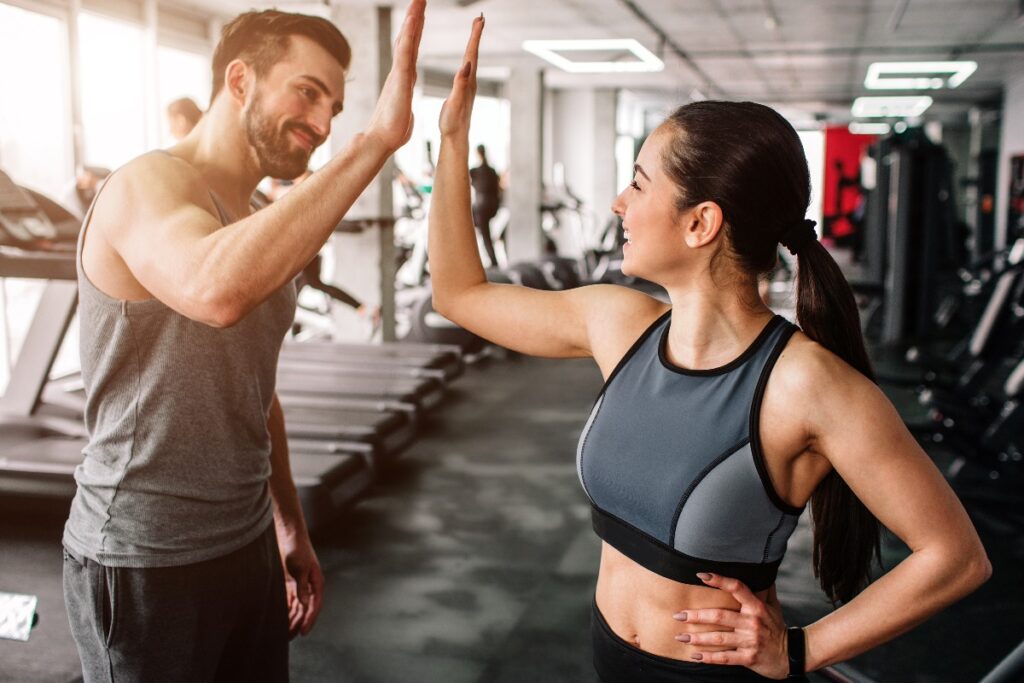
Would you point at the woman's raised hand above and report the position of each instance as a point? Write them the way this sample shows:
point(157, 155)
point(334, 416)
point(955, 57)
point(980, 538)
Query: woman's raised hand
point(392, 119)
point(455, 113)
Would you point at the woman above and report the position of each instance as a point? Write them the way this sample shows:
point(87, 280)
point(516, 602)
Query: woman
point(718, 421)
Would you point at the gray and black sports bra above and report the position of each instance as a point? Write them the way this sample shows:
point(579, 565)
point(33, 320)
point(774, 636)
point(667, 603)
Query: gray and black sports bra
point(671, 461)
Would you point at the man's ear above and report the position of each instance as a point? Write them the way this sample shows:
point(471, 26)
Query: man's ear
point(701, 224)
point(238, 80)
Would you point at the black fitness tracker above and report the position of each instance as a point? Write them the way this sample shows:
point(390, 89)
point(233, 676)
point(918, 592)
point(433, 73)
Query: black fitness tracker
point(796, 651)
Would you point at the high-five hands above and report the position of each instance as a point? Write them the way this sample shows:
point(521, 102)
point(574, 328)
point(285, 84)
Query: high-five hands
point(455, 113)
point(392, 120)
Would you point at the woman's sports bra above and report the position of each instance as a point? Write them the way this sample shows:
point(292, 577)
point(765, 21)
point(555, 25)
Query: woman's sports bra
point(671, 462)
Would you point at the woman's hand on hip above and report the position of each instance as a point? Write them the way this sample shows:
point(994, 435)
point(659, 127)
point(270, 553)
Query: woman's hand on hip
point(757, 635)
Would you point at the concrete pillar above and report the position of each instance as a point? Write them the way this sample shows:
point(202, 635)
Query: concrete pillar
point(604, 186)
point(364, 261)
point(526, 94)
point(584, 131)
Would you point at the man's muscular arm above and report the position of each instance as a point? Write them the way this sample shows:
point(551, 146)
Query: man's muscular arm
point(173, 245)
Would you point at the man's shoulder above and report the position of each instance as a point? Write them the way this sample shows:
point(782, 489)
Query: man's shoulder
point(153, 179)
point(157, 173)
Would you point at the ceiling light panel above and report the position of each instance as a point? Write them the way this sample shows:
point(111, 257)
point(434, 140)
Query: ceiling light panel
point(860, 128)
point(639, 58)
point(918, 75)
point(884, 107)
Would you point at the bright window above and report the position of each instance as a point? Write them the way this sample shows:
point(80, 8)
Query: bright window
point(490, 127)
point(35, 119)
point(111, 63)
point(181, 73)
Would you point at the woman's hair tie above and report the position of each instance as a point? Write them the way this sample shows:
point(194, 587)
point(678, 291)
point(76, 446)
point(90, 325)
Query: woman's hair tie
point(799, 236)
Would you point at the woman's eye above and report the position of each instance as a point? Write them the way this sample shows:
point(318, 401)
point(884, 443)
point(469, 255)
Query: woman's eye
point(633, 184)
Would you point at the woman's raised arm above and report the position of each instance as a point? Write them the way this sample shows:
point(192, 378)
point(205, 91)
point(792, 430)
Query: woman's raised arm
point(553, 324)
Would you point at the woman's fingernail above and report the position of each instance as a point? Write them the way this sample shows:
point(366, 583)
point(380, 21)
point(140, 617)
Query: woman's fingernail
point(680, 616)
point(466, 69)
point(683, 637)
point(703, 576)
point(698, 656)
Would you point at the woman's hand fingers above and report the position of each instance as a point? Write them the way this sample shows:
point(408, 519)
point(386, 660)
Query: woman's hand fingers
point(734, 587)
point(455, 114)
point(718, 617)
point(711, 639)
point(472, 54)
point(758, 633)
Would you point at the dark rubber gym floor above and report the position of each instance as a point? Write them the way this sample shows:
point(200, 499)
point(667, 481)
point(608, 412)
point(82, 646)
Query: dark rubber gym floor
point(475, 561)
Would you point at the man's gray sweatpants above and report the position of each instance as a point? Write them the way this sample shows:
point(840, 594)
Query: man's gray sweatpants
point(224, 619)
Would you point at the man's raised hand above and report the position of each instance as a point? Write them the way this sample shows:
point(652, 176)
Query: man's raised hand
point(392, 119)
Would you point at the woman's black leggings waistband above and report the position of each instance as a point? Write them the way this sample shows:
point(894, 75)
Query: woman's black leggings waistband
point(617, 661)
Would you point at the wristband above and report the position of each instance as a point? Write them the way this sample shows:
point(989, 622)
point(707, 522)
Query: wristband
point(796, 650)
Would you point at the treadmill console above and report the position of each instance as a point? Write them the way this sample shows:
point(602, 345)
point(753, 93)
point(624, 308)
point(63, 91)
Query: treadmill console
point(22, 222)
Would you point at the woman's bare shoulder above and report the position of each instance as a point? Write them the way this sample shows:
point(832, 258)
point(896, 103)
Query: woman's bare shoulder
point(616, 317)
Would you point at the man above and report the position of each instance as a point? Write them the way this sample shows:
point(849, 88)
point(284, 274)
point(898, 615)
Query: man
point(172, 570)
point(182, 116)
point(486, 199)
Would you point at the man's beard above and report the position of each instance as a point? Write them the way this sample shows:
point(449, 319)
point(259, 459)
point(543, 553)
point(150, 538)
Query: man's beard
point(275, 149)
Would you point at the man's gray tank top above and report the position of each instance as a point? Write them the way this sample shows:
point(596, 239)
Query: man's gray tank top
point(671, 462)
point(177, 465)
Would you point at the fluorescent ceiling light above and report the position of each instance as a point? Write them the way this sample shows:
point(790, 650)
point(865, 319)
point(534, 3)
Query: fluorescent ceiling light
point(550, 50)
point(917, 75)
point(901, 107)
point(859, 128)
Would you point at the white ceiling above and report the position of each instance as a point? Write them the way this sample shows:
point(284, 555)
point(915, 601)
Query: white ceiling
point(812, 61)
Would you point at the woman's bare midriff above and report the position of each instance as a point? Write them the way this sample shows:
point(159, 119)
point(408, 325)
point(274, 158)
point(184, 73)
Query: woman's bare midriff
point(638, 605)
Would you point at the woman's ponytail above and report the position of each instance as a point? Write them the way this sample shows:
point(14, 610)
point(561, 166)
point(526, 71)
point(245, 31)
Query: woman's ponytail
point(846, 534)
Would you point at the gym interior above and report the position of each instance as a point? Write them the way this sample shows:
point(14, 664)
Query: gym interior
point(437, 471)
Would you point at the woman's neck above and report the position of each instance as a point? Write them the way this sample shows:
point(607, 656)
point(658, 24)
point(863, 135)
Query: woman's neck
point(712, 325)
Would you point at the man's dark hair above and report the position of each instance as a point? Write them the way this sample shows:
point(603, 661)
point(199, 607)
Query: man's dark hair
point(261, 39)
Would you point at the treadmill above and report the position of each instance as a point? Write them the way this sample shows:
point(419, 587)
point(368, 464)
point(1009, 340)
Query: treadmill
point(328, 385)
point(41, 444)
point(376, 432)
point(445, 358)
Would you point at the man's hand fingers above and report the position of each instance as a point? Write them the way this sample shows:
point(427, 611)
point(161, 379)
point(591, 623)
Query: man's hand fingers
point(312, 612)
point(408, 44)
point(294, 616)
point(419, 27)
point(316, 601)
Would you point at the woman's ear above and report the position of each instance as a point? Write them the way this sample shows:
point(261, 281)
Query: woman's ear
point(701, 224)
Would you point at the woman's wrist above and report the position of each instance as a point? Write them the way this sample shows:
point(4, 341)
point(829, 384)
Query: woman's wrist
point(812, 658)
point(460, 139)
